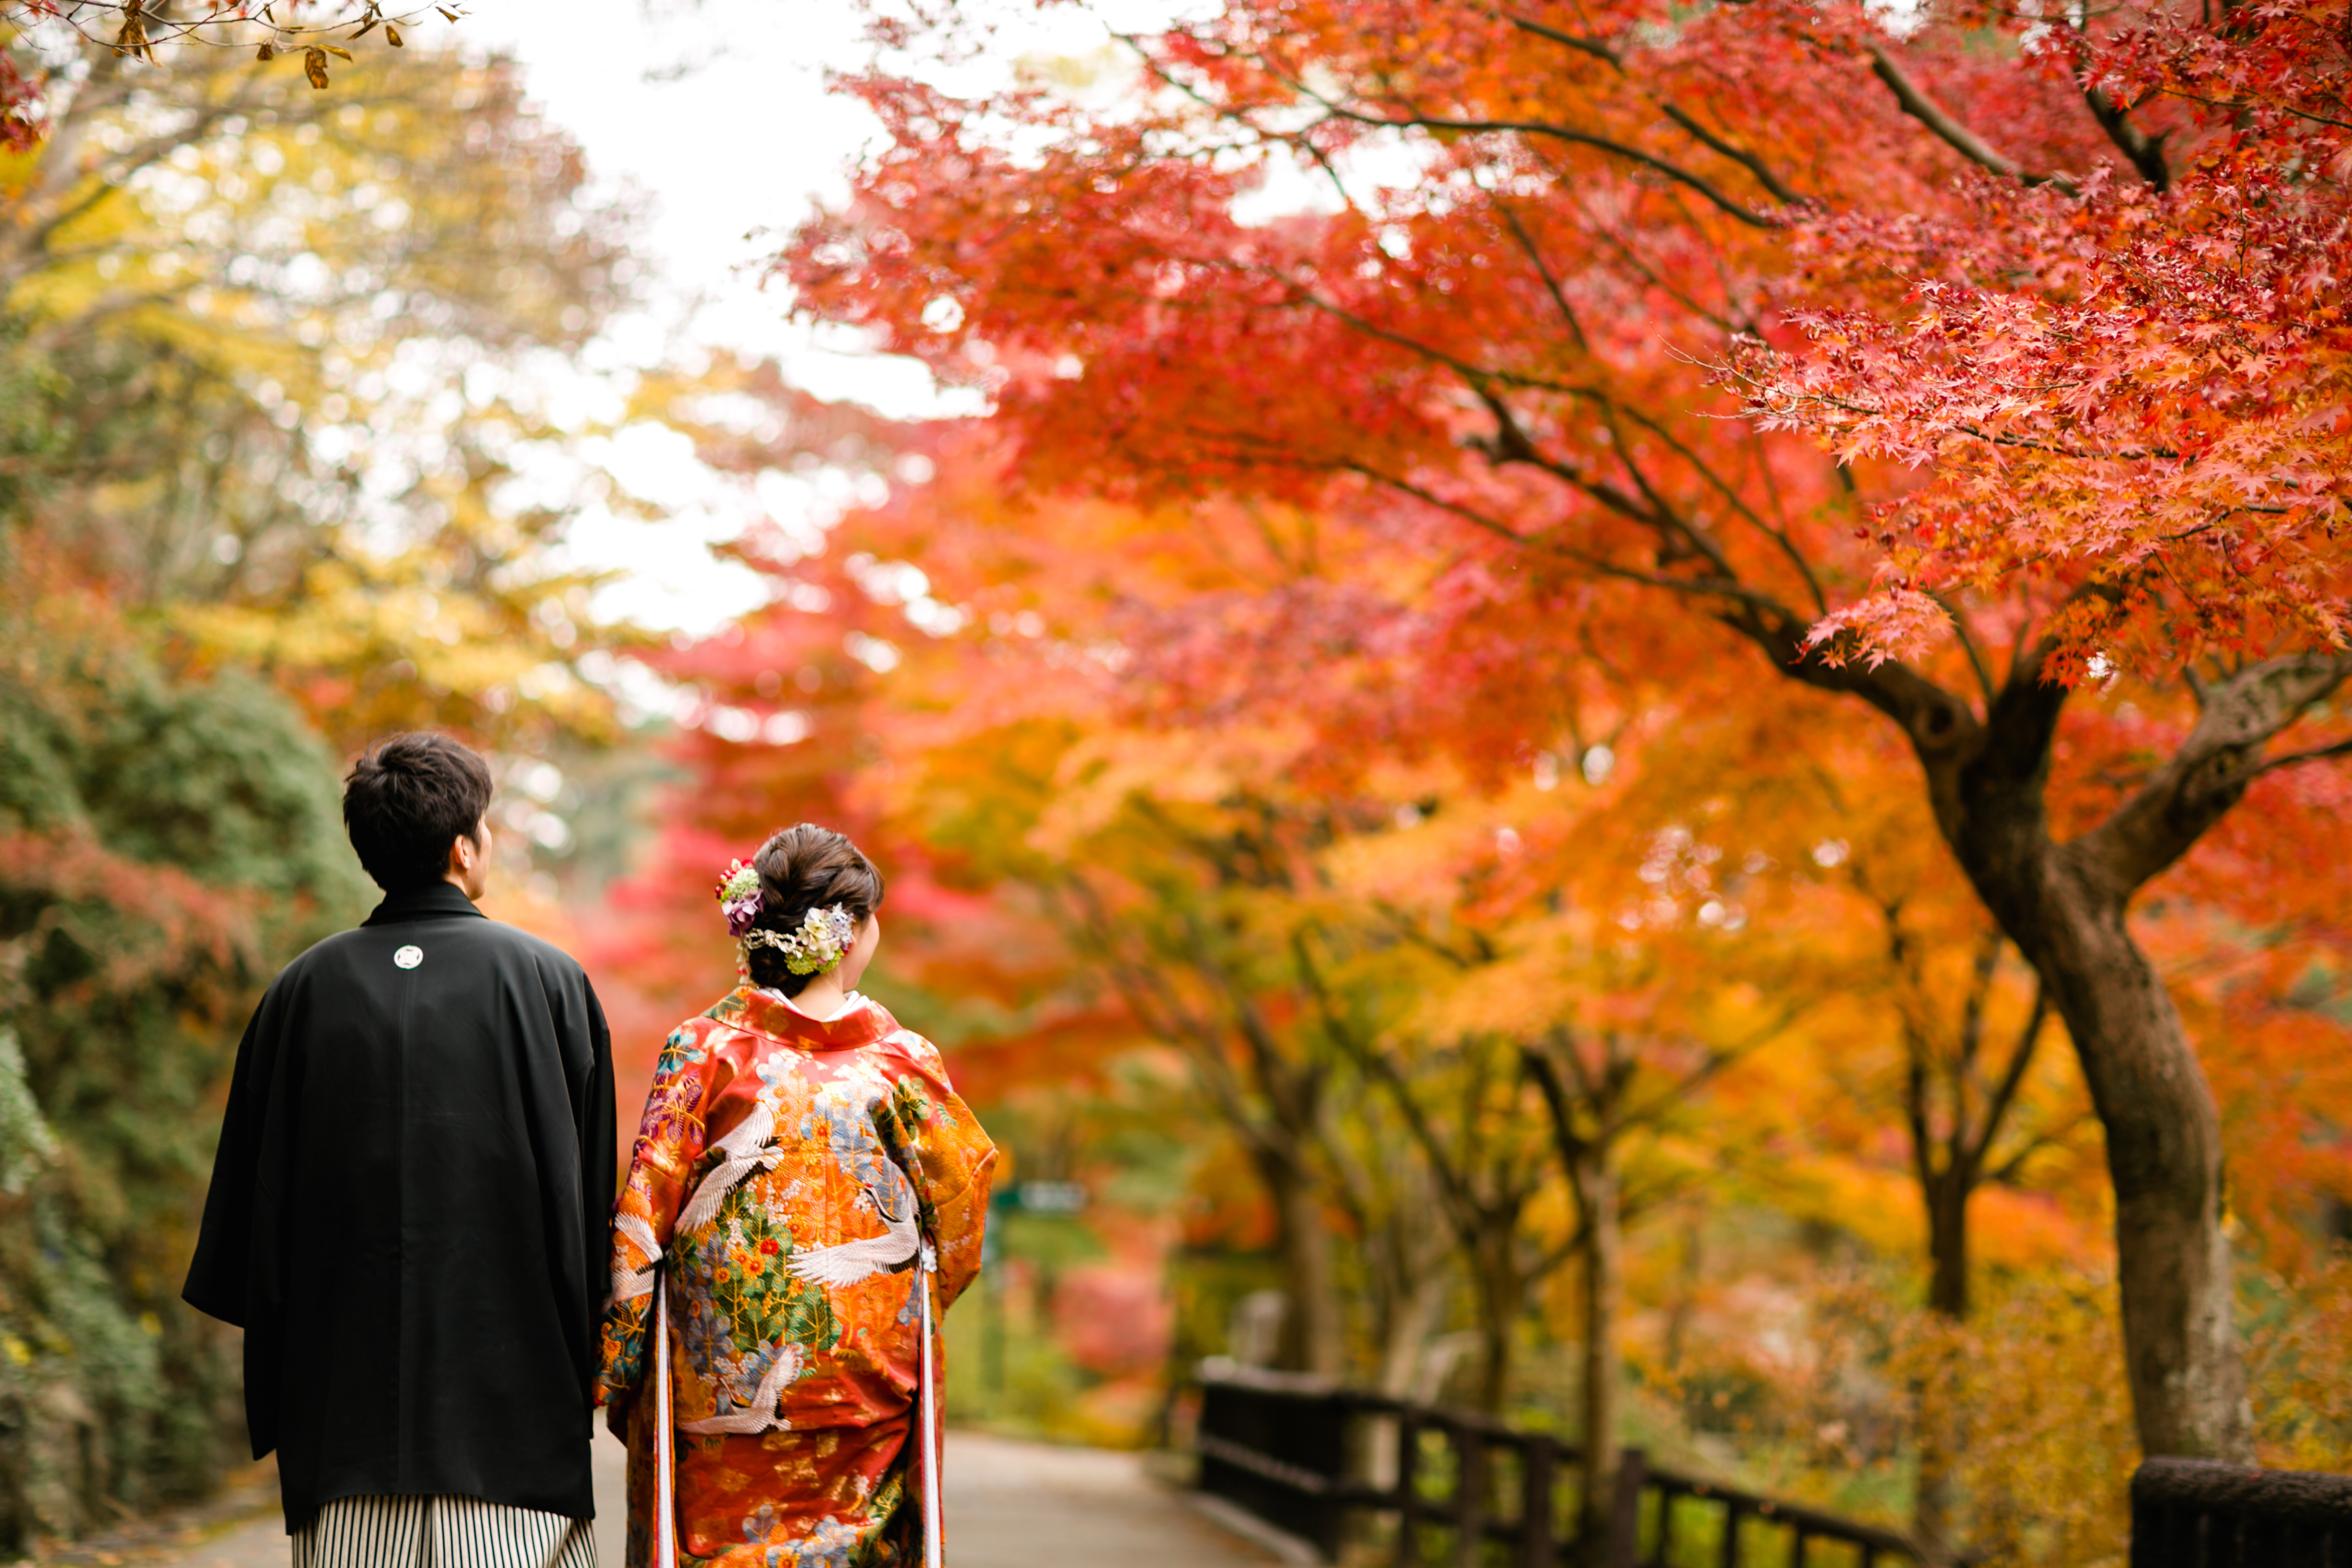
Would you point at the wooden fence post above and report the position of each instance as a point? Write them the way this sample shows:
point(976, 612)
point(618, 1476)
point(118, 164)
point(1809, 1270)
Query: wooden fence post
point(1470, 1488)
point(1539, 1470)
point(1624, 1548)
point(1408, 1485)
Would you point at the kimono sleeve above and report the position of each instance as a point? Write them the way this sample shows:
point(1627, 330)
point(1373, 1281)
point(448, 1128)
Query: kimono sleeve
point(936, 1140)
point(220, 1276)
point(669, 1141)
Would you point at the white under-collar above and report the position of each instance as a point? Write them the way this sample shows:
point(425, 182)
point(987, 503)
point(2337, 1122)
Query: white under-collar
point(849, 1004)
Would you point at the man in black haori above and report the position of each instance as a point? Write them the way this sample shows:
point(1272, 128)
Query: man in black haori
point(408, 1209)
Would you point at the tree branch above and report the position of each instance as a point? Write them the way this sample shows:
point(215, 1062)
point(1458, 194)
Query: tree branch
point(2317, 753)
point(2209, 772)
point(2012, 1080)
point(1603, 52)
point(1967, 142)
point(1737, 155)
point(2145, 151)
point(1714, 194)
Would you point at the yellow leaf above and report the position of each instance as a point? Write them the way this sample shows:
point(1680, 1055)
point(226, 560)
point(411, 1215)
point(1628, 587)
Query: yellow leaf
point(391, 35)
point(314, 66)
point(265, 53)
point(339, 54)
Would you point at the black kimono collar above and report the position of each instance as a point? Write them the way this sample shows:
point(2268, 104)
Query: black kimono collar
point(437, 900)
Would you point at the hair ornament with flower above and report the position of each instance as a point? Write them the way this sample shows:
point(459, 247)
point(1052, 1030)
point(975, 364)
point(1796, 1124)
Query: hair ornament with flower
point(824, 935)
point(738, 897)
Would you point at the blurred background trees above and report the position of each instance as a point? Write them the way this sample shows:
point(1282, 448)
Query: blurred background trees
point(275, 365)
point(164, 840)
point(279, 348)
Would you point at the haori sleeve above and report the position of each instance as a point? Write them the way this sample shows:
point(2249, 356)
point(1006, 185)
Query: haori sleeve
point(669, 1141)
point(938, 1142)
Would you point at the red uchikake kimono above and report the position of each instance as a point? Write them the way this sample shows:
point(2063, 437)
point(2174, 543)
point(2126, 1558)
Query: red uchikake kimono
point(790, 1175)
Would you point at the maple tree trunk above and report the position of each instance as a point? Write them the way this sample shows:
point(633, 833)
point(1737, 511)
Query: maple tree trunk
point(1947, 1199)
point(2164, 1157)
point(1948, 1243)
point(1499, 1290)
point(1597, 1205)
point(1311, 1338)
point(2063, 906)
point(1414, 1316)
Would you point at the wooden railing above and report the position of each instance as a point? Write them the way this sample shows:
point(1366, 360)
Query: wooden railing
point(2194, 1513)
point(1456, 1489)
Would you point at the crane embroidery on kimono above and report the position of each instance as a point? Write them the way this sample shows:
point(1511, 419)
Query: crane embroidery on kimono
point(852, 1261)
point(758, 1414)
point(628, 1283)
point(750, 1147)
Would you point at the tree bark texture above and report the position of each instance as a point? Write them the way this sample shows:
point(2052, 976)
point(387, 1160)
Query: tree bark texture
point(2164, 1157)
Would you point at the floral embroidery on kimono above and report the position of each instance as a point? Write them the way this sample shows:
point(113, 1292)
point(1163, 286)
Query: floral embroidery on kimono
point(789, 1176)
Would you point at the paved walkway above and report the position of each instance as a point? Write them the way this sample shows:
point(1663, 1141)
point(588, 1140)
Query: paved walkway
point(1010, 1505)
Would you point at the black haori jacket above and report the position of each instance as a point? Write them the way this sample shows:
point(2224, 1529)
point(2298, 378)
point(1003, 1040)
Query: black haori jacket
point(408, 1213)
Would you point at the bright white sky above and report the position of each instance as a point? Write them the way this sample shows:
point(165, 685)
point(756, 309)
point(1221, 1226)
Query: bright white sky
point(716, 114)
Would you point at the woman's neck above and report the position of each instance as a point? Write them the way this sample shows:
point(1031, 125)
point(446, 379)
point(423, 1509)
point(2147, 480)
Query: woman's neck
point(821, 999)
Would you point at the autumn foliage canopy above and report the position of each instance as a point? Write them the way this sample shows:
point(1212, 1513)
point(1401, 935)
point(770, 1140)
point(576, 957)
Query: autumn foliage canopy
point(1960, 367)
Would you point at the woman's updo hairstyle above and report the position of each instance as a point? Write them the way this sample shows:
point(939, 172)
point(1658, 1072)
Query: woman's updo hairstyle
point(803, 868)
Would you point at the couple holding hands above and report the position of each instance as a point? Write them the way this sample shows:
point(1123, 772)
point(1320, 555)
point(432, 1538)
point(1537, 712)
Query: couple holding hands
point(412, 1217)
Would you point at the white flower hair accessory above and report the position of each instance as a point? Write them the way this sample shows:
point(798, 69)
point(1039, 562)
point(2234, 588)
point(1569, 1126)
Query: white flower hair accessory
point(824, 935)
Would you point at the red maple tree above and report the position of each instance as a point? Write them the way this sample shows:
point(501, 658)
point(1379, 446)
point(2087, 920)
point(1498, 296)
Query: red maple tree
point(1485, 352)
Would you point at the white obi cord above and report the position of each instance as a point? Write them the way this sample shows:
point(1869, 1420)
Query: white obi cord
point(665, 1502)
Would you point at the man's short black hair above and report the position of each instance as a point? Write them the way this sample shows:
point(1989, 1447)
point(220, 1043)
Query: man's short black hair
point(406, 800)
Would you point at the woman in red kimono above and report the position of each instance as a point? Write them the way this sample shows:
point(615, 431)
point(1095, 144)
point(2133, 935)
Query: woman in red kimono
point(802, 1177)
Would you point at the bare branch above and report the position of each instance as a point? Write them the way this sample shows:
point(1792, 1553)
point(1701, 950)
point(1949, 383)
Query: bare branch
point(1968, 644)
point(2317, 753)
point(1543, 270)
point(1737, 155)
point(1407, 487)
point(1715, 195)
point(2012, 1080)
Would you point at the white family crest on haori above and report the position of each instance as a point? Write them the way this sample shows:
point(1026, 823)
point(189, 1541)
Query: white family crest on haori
point(409, 957)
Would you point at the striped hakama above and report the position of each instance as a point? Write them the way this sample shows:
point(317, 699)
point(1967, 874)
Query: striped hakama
point(440, 1532)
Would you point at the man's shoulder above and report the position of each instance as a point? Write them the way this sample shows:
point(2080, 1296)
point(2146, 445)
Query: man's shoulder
point(325, 953)
point(543, 954)
point(508, 943)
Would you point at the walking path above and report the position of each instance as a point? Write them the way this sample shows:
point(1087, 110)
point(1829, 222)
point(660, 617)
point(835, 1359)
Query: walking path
point(1010, 1505)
